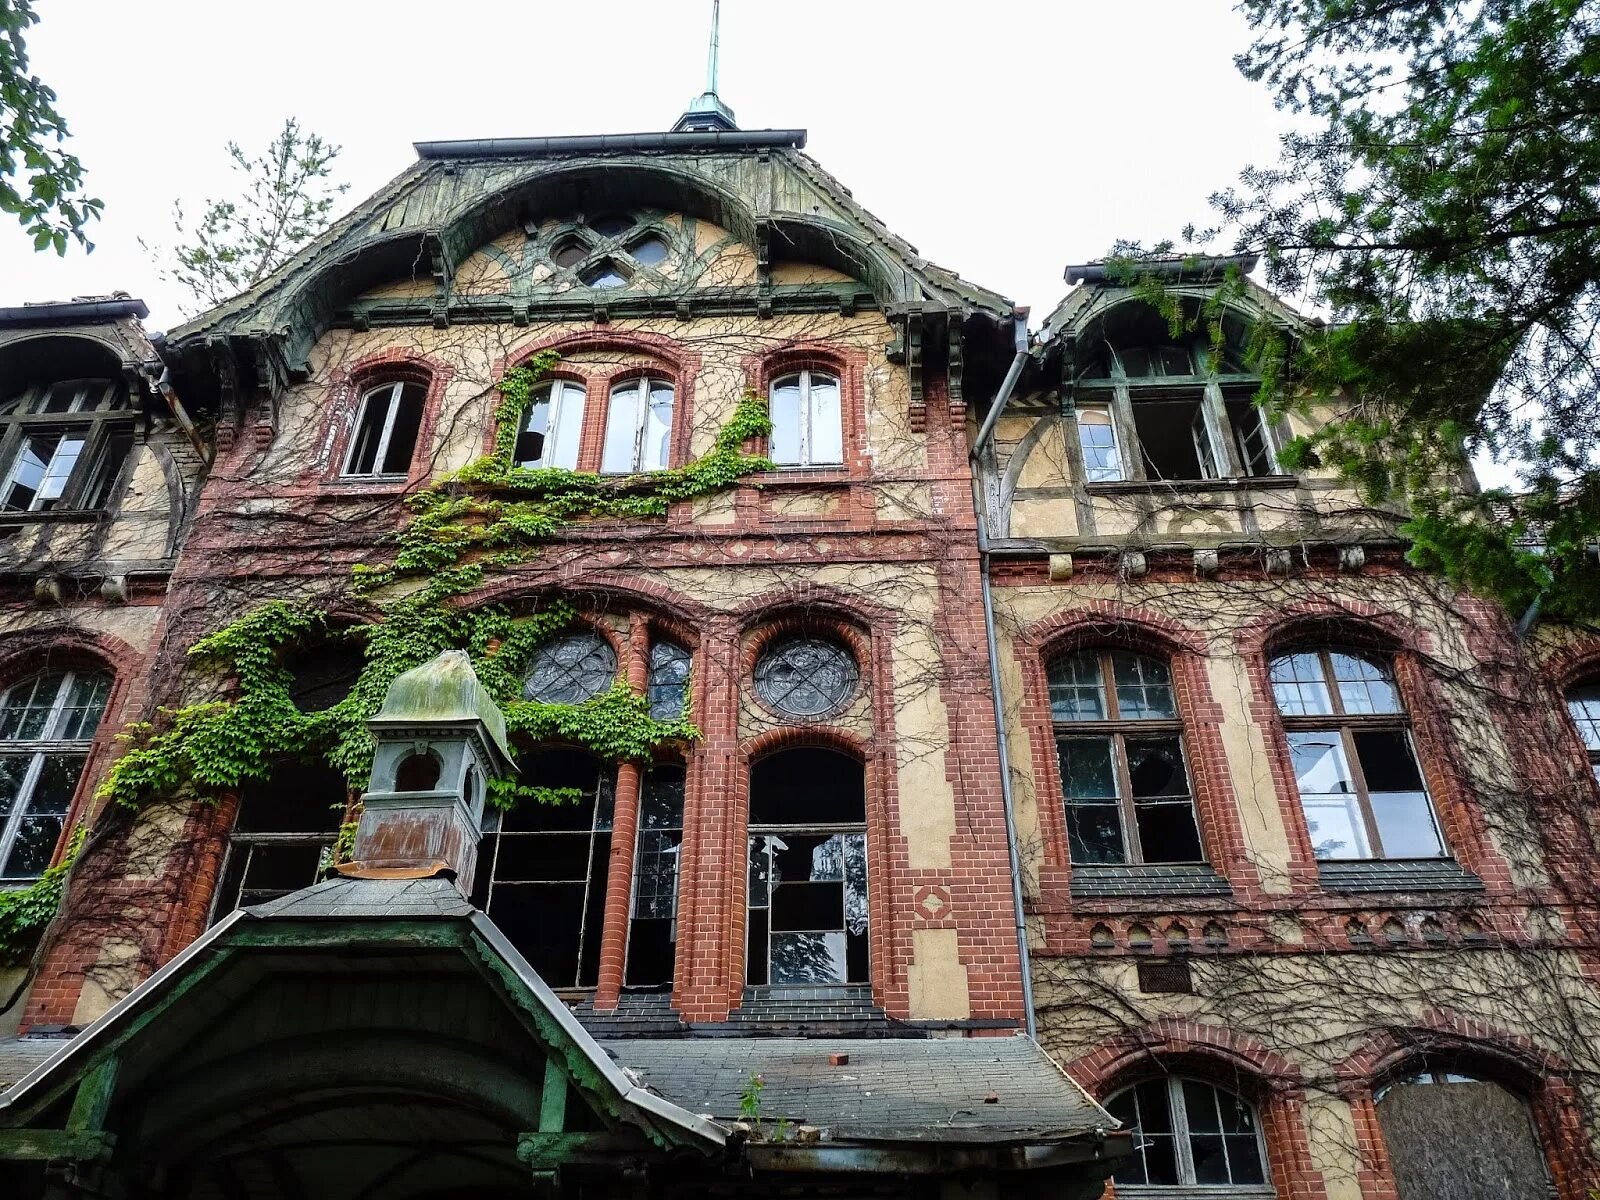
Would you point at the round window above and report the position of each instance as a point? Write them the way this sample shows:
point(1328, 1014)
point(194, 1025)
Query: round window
point(806, 677)
point(570, 670)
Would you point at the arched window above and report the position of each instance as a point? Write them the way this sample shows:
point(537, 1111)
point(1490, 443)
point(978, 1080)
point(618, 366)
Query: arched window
point(542, 867)
point(1190, 1133)
point(1449, 1134)
point(807, 422)
point(571, 669)
point(807, 920)
point(62, 445)
point(284, 836)
point(668, 686)
point(653, 928)
point(46, 724)
point(1583, 702)
point(638, 427)
point(552, 428)
point(385, 440)
point(1354, 763)
point(1120, 744)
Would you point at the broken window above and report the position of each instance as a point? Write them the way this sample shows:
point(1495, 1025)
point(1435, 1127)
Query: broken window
point(571, 669)
point(807, 428)
point(1123, 776)
point(807, 886)
point(1583, 702)
point(552, 428)
point(1175, 436)
point(386, 430)
point(668, 686)
point(1360, 784)
point(638, 427)
point(1189, 1133)
point(322, 675)
point(653, 930)
point(542, 867)
point(47, 723)
point(284, 835)
point(1252, 432)
point(1451, 1135)
point(62, 445)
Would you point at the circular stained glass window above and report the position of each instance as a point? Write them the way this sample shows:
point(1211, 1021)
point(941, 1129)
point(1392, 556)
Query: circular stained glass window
point(570, 670)
point(806, 677)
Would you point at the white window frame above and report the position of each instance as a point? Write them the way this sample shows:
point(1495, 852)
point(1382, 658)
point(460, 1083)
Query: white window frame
point(97, 417)
point(808, 416)
point(1120, 471)
point(38, 749)
point(1183, 1151)
point(638, 392)
point(555, 393)
point(396, 391)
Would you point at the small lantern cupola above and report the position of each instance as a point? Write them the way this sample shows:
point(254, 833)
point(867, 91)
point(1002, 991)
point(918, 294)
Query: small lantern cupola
point(440, 738)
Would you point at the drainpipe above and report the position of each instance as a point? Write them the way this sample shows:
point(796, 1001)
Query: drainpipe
point(981, 508)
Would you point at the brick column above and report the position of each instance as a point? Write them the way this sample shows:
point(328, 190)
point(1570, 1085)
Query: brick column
point(624, 836)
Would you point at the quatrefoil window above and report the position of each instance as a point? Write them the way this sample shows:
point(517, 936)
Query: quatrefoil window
point(604, 251)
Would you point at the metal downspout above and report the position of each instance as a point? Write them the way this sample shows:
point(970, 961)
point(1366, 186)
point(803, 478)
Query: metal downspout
point(981, 509)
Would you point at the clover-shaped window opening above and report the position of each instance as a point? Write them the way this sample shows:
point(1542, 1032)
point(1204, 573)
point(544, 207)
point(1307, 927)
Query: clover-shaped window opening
point(605, 274)
point(651, 250)
point(568, 252)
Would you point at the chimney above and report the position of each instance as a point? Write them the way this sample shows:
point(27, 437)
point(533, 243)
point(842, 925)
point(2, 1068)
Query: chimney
point(440, 738)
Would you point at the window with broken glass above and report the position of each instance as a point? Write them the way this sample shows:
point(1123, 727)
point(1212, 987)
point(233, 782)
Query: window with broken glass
point(653, 926)
point(1158, 412)
point(1355, 766)
point(283, 837)
point(667, 688)
point(553, 427)
point(1119, 739)
point(1188, 1133)
point(807, 421)
point(385, 438)
point(47, 722)
point(571, 669)
point(1583, 702)
point(638, 427)
point(62, 445)
point(807, 889)
point(542, 866)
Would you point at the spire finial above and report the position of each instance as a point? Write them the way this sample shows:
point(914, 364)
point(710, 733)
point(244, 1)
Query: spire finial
point(707, 112)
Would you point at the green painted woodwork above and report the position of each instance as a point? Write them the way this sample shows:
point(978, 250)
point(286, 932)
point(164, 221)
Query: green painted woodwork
point(550, 1151)
point(553, 1101)
point(46, 1144)
point(93, 1101)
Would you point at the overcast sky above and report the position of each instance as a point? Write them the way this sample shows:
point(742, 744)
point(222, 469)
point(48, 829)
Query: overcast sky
point(1004, 139)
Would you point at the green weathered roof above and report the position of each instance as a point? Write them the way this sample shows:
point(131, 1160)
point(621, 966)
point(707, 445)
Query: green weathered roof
point(446, 691)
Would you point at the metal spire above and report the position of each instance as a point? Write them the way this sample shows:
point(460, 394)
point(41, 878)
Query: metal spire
point(707, 112)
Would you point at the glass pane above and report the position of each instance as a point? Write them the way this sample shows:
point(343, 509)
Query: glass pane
point(855, 883)
point(529, 450)
point(784, 444)
point(1364, 687)
point(651, 251)
point(58, 779)
point(59, 470)
point(569, 428)
point(611, 226)
point(1097, 437)
point(571, 670)
point(1406, 825)
point(827, 434)
point(27, 706)
point(661, 806)
point(403, 433)
point(27, 471)
point(1210, 1159)
point(1076, 691)
point(622, 430)
point(1144, 687)
point(31, 850)
point(656, 452)
point(1335, 825)
point(1299, 687)
point(369, 431)
point(1327, 795)
point(668, 688)
point(1094, 834)
point(1200, 1104)
point(808, 958)
point(13, 773)
point(760, 882)
point(1244, 1159)
point(806, 677)
point(656, 874)
point(1584, 704)
point(103, 474)
point(1086, 768)
point(568, 253)
point(605, 275)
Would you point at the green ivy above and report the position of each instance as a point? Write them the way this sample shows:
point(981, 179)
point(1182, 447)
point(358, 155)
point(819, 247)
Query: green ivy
point(486, 517)
point(25, 911)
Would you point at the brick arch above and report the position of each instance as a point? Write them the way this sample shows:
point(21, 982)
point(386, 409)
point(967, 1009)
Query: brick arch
point(1571, 665)
point(654, 599)
point(817, 737)
point(1103, 623)
point(350, 381)
point(806, 599)
point(1323, 621)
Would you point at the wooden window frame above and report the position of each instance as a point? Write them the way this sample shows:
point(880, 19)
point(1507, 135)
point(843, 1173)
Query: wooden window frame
point(36, 750)
point(554, 391)
point(804, 377)
point(1591, 751)
point(396, 389)
point(641, 387)
point(1178, 1112)
point(109, 419)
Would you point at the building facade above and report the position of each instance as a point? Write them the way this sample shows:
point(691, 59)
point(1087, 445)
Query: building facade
point(746, 516)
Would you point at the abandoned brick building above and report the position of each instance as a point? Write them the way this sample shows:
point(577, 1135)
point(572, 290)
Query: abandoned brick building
point(1073, 794)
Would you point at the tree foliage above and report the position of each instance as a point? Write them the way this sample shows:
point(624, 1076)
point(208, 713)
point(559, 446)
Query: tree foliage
point(286, 198)
point(40, 183)
point(1439, 201)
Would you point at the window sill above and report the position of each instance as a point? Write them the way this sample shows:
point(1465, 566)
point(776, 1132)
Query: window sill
point(1204, 1191)
point(833, 473)
point(1141, 487)
point(1153, 880)
point(1396, 875)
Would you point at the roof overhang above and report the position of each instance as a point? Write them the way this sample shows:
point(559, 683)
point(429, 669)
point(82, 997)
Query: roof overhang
point(684, 142)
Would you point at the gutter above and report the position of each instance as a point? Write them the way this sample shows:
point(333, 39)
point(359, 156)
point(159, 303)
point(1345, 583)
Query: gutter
point(980, 507)
point(615, 143)
point(72, 310)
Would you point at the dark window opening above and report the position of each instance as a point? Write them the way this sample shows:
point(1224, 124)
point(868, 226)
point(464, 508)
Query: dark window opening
point(417, 773)
point(284, 835)
point(386, 432)
point(1174, 438)
point(568, 253)
point(807, 899)
point(1188, 1133)
point(47, 723)
point(542, 869)
point(653, 928)
point(1252, 435)
point(323, 675)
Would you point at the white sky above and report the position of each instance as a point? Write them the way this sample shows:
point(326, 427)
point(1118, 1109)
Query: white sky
point(1003, 139)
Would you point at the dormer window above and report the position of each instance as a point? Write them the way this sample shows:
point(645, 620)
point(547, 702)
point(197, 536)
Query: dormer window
point(386, 431)
point(63, 445)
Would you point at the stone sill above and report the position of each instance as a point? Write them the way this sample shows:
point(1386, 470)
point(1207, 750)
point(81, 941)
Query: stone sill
point(1145, 487)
